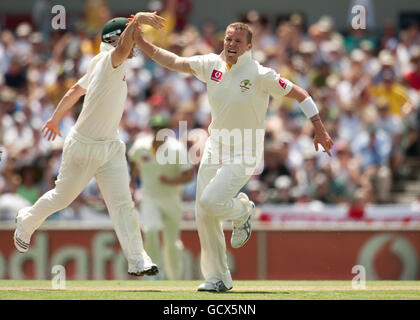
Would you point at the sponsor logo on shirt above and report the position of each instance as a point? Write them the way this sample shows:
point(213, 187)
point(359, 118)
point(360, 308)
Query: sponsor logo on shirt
point(145, 158)
point(245, 85)
point(216, 75)
point(282, 83)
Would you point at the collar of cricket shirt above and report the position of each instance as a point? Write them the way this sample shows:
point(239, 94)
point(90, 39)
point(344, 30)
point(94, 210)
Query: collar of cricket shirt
point(244, 57)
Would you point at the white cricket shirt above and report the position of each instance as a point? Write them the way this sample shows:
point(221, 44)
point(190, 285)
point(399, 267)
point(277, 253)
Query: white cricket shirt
point(105, 98)
point(151, 169)
point(238, 97)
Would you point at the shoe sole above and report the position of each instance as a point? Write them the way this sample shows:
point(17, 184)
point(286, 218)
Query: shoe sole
point(214, 290)
point(148, 272)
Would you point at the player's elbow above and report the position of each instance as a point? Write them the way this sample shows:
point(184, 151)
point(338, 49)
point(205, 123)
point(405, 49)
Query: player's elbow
point(78, 90)
point(75, 92)
point(298, 93)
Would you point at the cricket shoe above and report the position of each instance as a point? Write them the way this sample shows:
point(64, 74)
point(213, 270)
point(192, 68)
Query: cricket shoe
point(213, 286)
point(242, 227)
point(142, 268)
point(21, 238)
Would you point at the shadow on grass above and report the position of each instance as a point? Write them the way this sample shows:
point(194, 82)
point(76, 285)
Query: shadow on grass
point(249, 292)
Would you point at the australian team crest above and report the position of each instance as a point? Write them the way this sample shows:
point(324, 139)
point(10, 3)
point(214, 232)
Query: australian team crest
point(245, 85)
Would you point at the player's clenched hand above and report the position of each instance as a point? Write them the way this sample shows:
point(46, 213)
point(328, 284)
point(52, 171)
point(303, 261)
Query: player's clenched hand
point(150, 18)
point(51, 129)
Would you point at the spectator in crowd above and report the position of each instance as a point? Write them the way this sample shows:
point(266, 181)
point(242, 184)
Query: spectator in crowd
point(395, 94)
point(344, 172)
point(392, 125)
point(256, 191)
point(29, 188)
point(373, 148)
point(412, 77)
point(281, 193)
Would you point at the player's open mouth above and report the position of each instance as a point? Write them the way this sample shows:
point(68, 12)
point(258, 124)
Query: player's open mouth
point(232, 51)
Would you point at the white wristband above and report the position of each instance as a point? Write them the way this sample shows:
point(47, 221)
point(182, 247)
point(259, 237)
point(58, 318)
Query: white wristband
point(308, 107)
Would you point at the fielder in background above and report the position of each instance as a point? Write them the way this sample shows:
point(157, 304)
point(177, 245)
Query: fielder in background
point(239, 89)
point(161, 163)
point(92, 149)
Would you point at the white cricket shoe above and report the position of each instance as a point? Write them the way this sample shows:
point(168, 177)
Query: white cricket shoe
point(213, 286)
point(242, 227)
point(145, 267)
point(21, 238)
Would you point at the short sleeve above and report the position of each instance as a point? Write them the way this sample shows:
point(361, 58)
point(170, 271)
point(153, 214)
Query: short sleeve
point(134, 153)
point(197, 63)
point(138, 148)
point(106, 63)
point(273, 83)
point(84, 81)
point(201, 64)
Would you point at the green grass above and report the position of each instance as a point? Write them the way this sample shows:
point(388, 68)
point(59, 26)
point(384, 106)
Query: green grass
point(186, 290)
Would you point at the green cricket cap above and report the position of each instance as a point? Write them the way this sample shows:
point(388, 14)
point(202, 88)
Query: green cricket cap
point(113, 29)
point(158, 121)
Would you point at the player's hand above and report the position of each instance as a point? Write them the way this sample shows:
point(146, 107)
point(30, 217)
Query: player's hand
point(137, 31)
point(51, 129)
point(324, 139)
point(149, 18)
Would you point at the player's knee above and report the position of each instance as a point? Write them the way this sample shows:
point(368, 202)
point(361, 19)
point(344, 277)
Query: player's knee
point(206, 202)
point(210, 205)
point(123, 203)
point(61, 200)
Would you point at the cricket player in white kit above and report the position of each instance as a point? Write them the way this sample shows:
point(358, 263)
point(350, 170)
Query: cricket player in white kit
point(161, 163)
point(238, 89)
point(92, 148)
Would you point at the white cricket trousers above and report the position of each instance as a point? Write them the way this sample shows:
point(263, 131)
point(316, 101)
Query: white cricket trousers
point(217, 187)
point(163, 214)
point(82, 160)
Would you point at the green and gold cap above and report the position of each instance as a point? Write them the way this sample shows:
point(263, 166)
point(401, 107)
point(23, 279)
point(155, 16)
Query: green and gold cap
point(113, 29)
point(158, 121)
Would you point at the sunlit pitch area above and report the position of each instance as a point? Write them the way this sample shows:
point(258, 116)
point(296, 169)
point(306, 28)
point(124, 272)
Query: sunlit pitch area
point(186, 290)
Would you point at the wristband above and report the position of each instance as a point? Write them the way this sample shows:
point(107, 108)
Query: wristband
point(308, 107)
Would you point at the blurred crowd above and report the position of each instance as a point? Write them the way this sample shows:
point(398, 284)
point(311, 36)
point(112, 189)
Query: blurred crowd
point(366, 86)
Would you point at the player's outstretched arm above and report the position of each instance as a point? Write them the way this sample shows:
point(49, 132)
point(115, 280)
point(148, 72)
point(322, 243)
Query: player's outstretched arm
point(126, 40)
point(52, 126)
point(164, 57)
point(309, 108)
point(184, 177)
point(124, 45)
